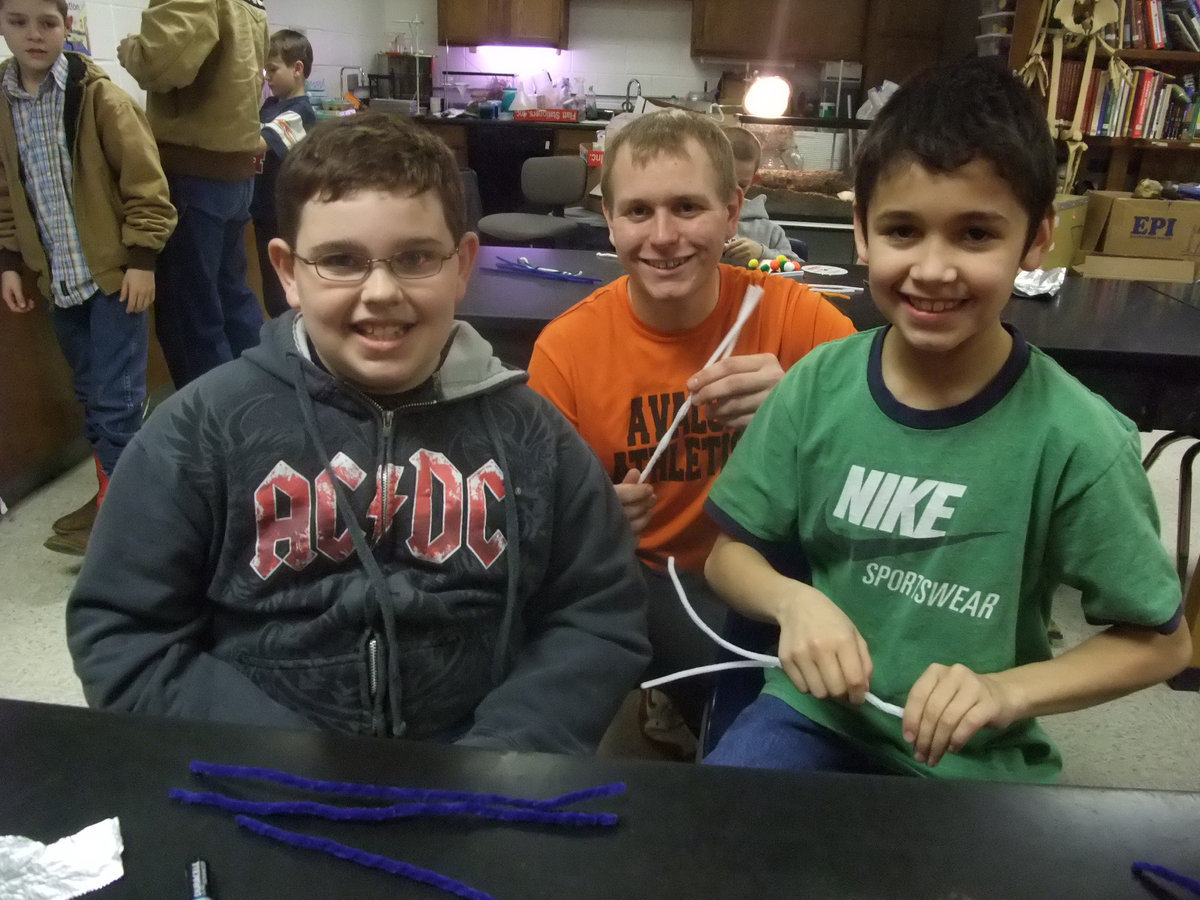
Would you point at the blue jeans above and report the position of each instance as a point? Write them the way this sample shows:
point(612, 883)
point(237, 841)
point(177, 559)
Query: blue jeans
point(206, 312)
point(769, 734)
point(106, 349)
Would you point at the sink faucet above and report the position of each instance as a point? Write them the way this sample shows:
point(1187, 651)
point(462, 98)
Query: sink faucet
point(627, 106)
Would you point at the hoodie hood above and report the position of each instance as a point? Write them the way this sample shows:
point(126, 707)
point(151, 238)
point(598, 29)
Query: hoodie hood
point(468, 369)
point(754, 207)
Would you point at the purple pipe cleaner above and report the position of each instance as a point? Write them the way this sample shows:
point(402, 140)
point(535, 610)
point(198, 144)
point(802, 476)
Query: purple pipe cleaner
point(414, 802)
point(397, 811)
point(363, 858)
point(1140, 868)
point(383, 792)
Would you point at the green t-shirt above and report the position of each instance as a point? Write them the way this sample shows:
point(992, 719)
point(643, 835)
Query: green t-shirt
point(944, 534)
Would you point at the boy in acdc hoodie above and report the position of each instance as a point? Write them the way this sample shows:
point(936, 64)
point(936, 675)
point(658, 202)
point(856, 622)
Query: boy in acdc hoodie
point(84, 210)
point(366, 523)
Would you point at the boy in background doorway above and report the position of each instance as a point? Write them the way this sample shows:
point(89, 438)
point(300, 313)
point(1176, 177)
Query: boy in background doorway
point(84, 208)
point(757, 236)
point(286, 117)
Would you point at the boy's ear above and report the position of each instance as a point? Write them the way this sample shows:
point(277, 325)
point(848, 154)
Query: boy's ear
point(285, 267)
point(1040, 246)
point(733, 212)
point(468, 250)
point(860, 235)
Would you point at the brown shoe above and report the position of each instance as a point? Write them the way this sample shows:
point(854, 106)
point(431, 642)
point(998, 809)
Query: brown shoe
point(663, 727)
point(73, 542)
point(77, 520)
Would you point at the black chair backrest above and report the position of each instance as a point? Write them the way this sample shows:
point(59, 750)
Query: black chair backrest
point(554, 181)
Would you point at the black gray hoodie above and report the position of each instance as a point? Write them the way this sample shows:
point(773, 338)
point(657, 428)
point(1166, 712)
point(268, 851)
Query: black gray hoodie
point(493, 597)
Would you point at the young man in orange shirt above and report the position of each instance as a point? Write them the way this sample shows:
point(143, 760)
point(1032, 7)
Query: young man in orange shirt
point(621, 362)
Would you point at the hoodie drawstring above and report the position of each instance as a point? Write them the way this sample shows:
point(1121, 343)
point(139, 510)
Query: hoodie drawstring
point(512, 527)
point(379, 584)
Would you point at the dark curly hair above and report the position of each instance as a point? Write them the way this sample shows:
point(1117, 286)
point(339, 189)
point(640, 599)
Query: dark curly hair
point(953, 113)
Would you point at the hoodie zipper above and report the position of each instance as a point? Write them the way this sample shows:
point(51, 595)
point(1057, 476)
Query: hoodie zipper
point(380, 720)
point(379, 725)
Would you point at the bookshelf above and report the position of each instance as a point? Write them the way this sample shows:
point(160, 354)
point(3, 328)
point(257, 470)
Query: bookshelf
point(1169, 152)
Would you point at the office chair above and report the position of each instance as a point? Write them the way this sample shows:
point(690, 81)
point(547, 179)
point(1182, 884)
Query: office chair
point(1184, 525)
point(553, 181)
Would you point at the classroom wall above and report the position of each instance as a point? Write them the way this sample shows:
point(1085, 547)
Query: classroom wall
point(610, 42)
point(342, 34)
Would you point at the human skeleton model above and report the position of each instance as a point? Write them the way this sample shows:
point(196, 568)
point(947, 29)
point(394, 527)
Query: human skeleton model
point(1083, 22)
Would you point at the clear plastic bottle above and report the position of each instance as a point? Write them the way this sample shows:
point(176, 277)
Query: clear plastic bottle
point(589, 103)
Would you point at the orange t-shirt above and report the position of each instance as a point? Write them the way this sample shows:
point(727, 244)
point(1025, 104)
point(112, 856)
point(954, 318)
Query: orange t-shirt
point(620, 383)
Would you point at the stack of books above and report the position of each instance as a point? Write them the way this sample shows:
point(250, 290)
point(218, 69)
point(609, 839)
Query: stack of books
point(1153, 104)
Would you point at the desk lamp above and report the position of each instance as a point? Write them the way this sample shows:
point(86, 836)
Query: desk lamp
point(768, 96)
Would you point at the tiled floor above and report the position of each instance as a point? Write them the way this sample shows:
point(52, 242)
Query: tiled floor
point(1151, 739)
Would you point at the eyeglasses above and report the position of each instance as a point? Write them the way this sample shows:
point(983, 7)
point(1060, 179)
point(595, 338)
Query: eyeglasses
point(355, 268)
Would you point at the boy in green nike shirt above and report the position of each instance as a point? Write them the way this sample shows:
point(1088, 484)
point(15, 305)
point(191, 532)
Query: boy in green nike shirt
point(941, 499)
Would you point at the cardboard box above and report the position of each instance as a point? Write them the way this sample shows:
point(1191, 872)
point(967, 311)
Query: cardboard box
point(1134, 268)
point(1119, 225)
point(1070, 213)
point(592, 155)
point(546, 115)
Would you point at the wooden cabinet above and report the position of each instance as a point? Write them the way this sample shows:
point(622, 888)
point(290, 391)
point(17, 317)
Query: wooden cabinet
point(902, 38)
point(538, 23)
point(1124, 160)
point(782, 30)
point(453, 135)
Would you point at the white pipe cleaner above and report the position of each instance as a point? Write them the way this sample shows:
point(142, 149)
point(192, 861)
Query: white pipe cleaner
point(752, 659)
point(724, 349)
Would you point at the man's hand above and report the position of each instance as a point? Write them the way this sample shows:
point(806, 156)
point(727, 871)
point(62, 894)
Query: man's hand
point(742, 249)
point(137, 290)
point(636, 499)
point(948, 704)
point(820, 649)
point(13, 292)
point(731, 391)
point(123, 48)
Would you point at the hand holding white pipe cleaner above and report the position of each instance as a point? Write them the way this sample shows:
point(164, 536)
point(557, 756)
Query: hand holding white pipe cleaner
point(752, 659)
point(724, 349)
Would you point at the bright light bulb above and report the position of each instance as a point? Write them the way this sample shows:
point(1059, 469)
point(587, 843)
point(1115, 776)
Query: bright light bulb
point(768, 96)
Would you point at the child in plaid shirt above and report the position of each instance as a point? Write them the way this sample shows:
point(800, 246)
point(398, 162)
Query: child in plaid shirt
point(84, 209)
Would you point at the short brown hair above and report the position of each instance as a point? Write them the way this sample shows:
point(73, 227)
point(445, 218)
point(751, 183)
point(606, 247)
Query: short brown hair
point(290, 46)
point(60, 5)
point(667, 131)
point(746, 147)
point(367, 151)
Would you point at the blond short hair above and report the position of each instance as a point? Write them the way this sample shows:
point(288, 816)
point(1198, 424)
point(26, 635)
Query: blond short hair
point(666, 132)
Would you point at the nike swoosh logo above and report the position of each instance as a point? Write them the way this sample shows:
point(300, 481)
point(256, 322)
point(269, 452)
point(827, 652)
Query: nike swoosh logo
point(896, 545)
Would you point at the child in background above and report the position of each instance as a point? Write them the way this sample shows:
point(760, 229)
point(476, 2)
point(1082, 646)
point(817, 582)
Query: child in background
point(201, 64)
point(757, 236)
point(943, 478)
point(366, 523)
point(286, 117)
point(84, 208)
